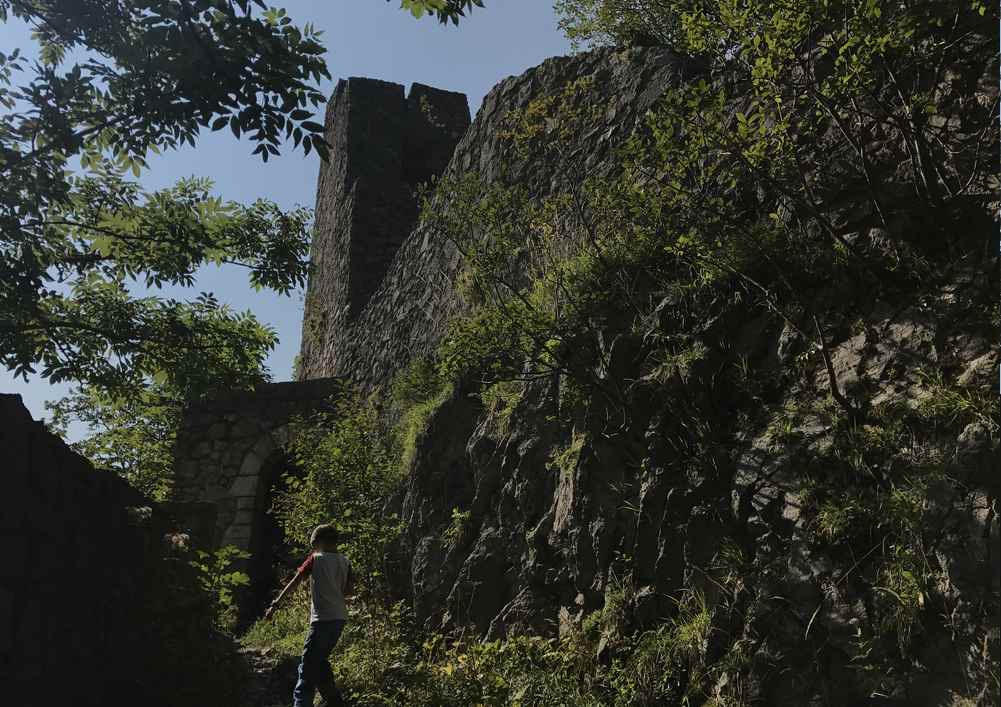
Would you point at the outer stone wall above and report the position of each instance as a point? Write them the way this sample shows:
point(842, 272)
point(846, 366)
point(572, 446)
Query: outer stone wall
point(383, 146)
point(409, 301)
point(381, 291)
point(223, 447)
point(76, 545)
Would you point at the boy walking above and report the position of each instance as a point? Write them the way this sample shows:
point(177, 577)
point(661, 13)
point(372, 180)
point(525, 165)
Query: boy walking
point(330, 581)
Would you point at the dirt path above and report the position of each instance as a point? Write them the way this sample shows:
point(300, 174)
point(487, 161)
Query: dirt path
point(271, 679)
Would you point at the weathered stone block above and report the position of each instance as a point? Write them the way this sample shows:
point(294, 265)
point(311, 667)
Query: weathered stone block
point(246, 427)
point(187, 468)
point(244, 516)
point(219, 430)
point(238, 535)
point(244, 486)
point(251, 465)
point(214, 492)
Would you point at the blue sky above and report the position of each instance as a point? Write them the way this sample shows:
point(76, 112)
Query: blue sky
point(371, 38)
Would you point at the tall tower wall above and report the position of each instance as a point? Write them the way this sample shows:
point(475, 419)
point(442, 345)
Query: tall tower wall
point(400, 310)
point(384, 144)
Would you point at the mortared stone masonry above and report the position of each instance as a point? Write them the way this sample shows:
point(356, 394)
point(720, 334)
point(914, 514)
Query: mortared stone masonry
point(384, 146)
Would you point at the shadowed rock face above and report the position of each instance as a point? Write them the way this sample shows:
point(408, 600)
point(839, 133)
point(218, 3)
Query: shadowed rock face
point(63, 524)
point(80, 549)
point(537, 546)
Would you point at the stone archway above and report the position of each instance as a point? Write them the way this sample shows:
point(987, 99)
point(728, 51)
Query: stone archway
point(270, 552)
point(224, 446)
point(249, 494)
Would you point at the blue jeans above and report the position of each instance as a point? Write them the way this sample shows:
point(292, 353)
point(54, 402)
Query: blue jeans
point(314, 668)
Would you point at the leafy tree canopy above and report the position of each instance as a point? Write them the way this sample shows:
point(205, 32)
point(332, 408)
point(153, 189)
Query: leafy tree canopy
point(131, 435)
point(112, 83)
point(78, 235)
point(444, 10)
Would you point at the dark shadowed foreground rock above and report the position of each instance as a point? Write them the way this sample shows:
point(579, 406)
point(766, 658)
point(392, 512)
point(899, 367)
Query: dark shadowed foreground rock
point(92, 609)
point(76, 543)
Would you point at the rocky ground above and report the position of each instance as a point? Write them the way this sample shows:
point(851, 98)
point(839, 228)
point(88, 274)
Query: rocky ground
point(271, 678)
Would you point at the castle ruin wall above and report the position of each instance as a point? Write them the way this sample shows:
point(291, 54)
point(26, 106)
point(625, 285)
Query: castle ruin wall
point(384, 146)
point(409, 297)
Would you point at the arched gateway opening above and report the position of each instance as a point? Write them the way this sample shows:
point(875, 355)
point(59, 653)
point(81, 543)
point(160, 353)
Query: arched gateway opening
point(270, 554)
point(253, 527)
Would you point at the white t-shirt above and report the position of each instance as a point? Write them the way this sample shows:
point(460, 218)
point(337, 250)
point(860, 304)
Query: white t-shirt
point(328, 578)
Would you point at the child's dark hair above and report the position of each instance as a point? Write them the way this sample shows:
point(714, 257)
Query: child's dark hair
point(326, 534)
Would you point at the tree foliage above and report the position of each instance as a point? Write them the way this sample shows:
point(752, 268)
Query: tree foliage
point(604, 22)
point(84, 249)
point(444, 10)
point(131, 435)
point(112, 83)
point(346, 467)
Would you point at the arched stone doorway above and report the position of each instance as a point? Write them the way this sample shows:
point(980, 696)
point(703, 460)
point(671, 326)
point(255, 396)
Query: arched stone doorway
point(249, 490)
point(251, 526)
point(270, 553)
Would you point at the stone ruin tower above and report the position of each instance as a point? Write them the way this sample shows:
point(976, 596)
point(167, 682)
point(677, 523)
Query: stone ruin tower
point(385, 145)
point(229, 452)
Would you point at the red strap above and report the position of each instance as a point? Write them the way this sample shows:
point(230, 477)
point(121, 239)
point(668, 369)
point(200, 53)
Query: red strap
point(306, 566)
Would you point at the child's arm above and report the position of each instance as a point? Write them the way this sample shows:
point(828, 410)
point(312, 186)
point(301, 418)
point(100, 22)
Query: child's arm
point(290, 587)
point(287, 589)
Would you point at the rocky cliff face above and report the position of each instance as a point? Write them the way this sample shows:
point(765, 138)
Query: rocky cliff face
point(541, 544)
point(733, 478)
